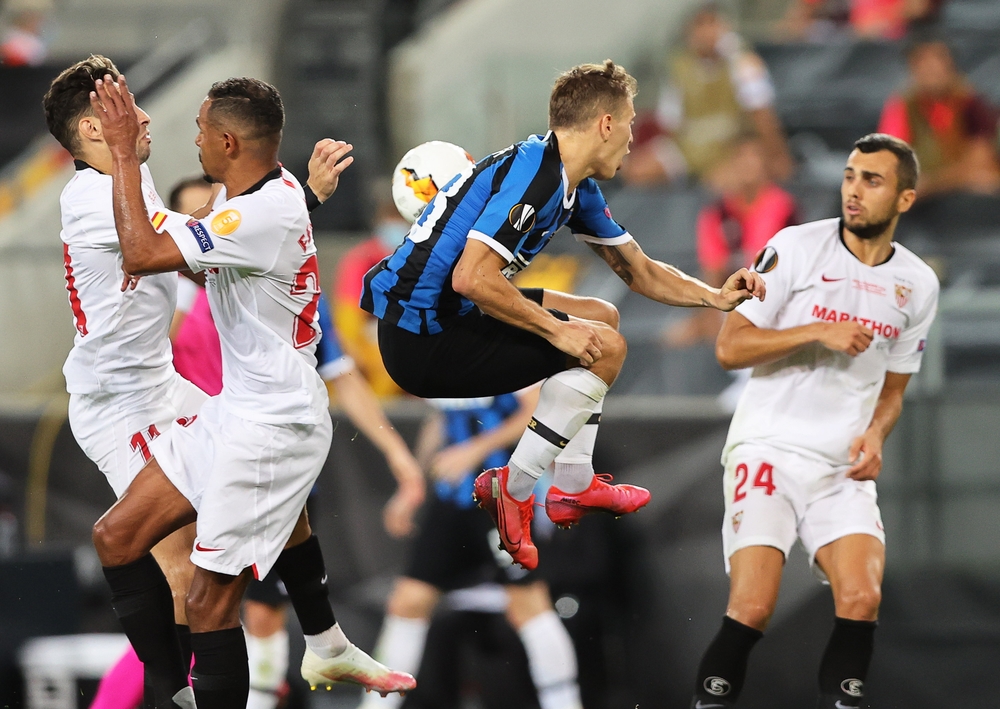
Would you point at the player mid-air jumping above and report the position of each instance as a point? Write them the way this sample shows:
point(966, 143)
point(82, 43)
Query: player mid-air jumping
point(832, 350)
point(452, 325)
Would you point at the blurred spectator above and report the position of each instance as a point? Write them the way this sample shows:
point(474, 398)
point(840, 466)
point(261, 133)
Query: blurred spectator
point(732, 230)
point(822, 20)
point(717, 90)
point(951, 127)
point(21, 41)
point(356, 327)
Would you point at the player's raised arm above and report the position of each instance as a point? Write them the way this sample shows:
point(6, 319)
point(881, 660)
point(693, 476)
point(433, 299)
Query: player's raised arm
point(143, 250)
point(666, 284)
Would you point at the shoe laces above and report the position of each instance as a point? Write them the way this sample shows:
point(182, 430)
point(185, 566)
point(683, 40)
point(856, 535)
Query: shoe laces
point(607, 478)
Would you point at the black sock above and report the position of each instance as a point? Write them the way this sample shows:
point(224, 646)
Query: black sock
point(142, 601)
point(221, 674)
point(302, 571)
point(724, 665)
point(184, 635)
point(844, 666)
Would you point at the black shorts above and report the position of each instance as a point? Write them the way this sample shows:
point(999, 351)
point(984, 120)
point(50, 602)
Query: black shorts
point(456, 547)
point(476, 355)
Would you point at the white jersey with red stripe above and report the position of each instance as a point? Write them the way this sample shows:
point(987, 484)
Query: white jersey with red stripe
point(262, 280)
point(121, 342)
point(815, 401)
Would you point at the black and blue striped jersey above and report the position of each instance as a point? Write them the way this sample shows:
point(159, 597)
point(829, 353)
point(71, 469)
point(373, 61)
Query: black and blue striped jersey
point(514, 201)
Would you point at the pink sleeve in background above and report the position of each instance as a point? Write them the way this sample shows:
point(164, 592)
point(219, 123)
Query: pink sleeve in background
point(713, 252)
point(121, 686)
point(197, 352)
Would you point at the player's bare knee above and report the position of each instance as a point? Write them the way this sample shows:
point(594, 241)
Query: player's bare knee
point(754, 613)
point(859, 602)
point(412, 599)
point(115, 547)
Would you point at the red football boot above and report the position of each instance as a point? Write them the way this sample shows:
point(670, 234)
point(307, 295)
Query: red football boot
point(565, 509)
point(511, 517)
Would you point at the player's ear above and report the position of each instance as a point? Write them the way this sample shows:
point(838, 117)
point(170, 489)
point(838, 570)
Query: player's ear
point(905, 200)
point(605, 125)
point(230, 143)
point(89, 128)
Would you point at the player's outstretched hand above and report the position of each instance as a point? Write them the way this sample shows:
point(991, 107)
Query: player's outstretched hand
point(866, 455)
point(114, 105)
point(742, 285)
point(850, 337)
point(329, 159)
point(398, 514)
point(580, 339)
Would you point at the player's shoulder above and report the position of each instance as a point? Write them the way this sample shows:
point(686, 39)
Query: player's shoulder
point(915, 268)
point(278, 194)
point(805, 239)
point(537, 157)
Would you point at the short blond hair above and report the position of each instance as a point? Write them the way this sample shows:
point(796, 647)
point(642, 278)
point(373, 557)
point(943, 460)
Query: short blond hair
point(588, 90)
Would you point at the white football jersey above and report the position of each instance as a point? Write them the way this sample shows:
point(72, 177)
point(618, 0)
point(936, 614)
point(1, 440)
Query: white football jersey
point(262, 278)
point(121, 342)
point(816, 401)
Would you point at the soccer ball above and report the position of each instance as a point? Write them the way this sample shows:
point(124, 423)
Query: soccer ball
point(422, 172)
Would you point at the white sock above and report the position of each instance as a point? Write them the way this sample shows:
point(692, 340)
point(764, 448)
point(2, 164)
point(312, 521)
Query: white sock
point(566, 402)
point(268, 658)
point(575, 465)
point(552, 661)
point(400, 646)
point(330, 643)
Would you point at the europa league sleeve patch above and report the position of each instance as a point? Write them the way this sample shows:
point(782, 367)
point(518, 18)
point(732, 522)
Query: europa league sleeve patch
point(522, 217)
point(766, 261)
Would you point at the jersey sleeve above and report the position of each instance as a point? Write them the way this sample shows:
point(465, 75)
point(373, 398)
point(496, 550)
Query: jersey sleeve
point(511, 211)
point(331, 361)
point(239, 233)
point(778, 263)
point(592, 221)
point(907, 350)
point(713, 251)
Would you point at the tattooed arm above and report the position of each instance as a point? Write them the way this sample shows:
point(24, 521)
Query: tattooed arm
point(665, 284)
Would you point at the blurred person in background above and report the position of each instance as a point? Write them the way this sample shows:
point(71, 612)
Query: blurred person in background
point(356, 328)
point(952, 128)
point(717, 90)
point(456, 549)
point(21, 23)
point(824, 20)
point(731, 231)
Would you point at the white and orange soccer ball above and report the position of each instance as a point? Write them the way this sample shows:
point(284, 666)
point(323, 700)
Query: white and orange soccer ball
point(423, 171)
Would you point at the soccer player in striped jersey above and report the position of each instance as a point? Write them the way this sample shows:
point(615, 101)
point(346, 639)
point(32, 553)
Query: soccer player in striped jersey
point(452, 325)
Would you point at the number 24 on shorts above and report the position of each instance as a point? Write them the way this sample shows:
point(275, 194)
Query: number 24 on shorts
point(764, 479)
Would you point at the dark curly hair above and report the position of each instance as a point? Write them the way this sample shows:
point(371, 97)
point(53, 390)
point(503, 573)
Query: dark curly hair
point(908, 167)
point(252, 104)
point(68, 98)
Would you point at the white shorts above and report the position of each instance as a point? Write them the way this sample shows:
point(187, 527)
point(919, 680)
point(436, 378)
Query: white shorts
point(248, 481)
point(774, 497)
point(114, 430)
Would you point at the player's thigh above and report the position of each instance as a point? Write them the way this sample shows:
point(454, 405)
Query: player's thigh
point(476, 355)
point(261, 475)
point(754, 581)
point(841, 508)
point(854, 565)
point(763, 502)
point(150, 509)
point(584, 307)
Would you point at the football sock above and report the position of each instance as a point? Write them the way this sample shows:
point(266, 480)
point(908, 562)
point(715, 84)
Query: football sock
point(303, 572)
point(221, 674)
point(330, 643)
point(184, 636)
point(575, 464)
point(844, 666)
point(141, 598)
point(565, 404)
point(552, 661)
point(121, 686)
point(268, 660)
point(400, 646)
point(723, 667)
